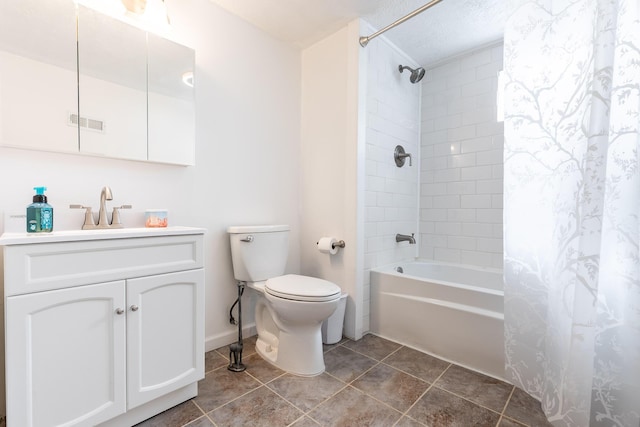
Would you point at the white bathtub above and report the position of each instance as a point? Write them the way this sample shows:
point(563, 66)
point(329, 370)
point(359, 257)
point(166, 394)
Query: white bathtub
point(451, 311)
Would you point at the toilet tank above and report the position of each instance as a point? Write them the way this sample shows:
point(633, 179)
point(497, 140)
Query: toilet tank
point(259, 252)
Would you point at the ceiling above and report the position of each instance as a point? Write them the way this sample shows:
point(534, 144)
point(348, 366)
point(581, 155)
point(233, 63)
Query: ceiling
point(448, 28)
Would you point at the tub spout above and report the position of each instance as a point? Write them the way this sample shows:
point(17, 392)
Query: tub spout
point(406, 238)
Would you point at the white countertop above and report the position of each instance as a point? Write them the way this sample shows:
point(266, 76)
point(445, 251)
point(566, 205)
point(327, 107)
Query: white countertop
point(8, 239)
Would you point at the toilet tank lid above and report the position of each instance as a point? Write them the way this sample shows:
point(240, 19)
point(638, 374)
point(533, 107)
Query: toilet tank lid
point(241, 229)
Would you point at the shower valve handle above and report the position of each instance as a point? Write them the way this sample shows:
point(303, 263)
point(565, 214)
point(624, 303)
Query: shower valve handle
point(399, 155)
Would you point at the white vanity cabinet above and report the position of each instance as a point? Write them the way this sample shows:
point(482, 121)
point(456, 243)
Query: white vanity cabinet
point(65, 359)
point(108, 331)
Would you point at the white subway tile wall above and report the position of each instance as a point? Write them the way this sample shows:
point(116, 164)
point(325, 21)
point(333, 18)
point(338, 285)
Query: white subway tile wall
point(461, 161)
point(392, 193)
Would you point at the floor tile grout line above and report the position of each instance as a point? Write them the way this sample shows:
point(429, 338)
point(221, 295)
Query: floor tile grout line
point(391, 354)
point(344, 387)
point(367, 356)
point(206, 371)
point(244, 394)
point(194, 420)
point(227, 363)
point(412, 419)
point(324, 401)
point(346, 383)
point(303, 413)
point(212, 422)
point(302, 417)
point(376, 399)
point(286, 400)
point(503, 416)
point(205, 414)
point(362, 354)
point(383, 361)
point(371, 357)
point(502, 411)
point(334, 346)
point(520, 422)
point(236, 398)
point(308, 413)
point(363, 373)
point(193, 400)
point(406, 413)
point(467, 399)
point(431, 385)
point(409, 373)
point(339, 379)
point(272, 379)
point(513, 389)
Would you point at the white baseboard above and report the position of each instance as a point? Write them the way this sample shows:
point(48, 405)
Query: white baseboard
point(220, 340)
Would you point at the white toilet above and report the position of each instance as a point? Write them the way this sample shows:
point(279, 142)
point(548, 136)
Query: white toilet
point(290, 308)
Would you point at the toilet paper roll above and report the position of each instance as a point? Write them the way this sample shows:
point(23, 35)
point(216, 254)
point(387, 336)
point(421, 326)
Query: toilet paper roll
point(327, 245)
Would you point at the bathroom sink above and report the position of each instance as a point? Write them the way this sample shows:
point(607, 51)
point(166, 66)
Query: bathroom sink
point(82, 235)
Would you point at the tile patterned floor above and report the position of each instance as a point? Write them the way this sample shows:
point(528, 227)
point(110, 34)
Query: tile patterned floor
point(370, 382)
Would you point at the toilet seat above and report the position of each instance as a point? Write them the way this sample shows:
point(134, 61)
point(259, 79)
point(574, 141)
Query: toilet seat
point(302, 288)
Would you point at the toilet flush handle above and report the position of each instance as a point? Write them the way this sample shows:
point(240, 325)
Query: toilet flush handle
point(247, 239)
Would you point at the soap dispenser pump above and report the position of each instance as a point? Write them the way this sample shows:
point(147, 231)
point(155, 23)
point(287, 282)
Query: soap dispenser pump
point(39, 213)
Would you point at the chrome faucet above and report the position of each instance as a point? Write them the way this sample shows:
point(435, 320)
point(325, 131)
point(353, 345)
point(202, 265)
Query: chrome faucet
point(105, 194)
point(406, 238)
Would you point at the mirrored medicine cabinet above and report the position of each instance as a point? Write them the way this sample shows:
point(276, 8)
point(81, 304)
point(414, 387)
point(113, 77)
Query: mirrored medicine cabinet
point(108, 89)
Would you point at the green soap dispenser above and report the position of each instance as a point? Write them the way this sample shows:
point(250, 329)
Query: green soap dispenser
point(39, 213)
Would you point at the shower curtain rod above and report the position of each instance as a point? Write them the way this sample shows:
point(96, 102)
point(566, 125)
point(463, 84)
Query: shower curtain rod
point(364, 40)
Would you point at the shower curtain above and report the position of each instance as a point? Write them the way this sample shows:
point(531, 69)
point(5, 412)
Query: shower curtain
point(572, 207)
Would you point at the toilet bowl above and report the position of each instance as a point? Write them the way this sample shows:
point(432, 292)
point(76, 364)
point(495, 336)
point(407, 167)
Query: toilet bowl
point(289, 324)
point(290, 308)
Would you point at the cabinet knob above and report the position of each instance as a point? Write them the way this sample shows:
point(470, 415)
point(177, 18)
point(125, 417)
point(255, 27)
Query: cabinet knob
point(119, 311)
point(134, 308)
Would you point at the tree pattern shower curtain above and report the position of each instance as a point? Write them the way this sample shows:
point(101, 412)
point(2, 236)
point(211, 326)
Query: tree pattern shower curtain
point(572, 207)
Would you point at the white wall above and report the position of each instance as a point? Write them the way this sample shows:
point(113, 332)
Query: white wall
point(393, 118)
point(247, 154)
point(331, 162)
point(461, 171)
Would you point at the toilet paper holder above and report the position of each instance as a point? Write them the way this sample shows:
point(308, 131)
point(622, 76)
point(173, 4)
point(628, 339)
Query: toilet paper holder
point(338, 244)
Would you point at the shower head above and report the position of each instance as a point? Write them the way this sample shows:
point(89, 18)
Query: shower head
point(416, 75)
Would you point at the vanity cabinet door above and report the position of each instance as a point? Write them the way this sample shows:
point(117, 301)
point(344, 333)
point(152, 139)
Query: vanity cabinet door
point(165, 334)
point(66, 350)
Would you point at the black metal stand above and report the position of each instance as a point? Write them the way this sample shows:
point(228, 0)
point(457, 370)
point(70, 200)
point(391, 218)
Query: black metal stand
point(235, 349)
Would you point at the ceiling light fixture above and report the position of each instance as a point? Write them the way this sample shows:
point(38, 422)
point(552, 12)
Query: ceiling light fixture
point(150, 15)
point(135, 6)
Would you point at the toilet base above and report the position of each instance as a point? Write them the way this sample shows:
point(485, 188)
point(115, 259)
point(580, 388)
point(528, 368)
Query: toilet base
point(298, 354)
